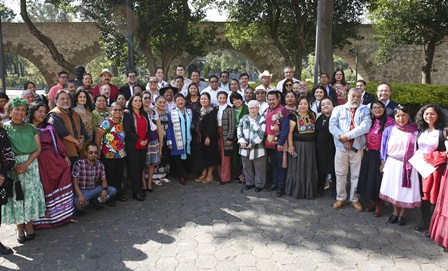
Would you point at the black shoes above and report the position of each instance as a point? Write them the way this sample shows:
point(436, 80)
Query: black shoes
point(280, 192)
point(393, 219)
point(424, 226)
point(258, 189)
point(273, 187)
point(121, 198)
point(80, 213)
point(248, 187)
point(138, 197)
point(21, 239)
point(5, 250)
point(400, 220)
point(96, 204)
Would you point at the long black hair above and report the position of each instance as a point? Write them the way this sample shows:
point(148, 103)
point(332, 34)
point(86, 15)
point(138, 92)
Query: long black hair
point(383, 118)
point(32, 108)
point(421, 123)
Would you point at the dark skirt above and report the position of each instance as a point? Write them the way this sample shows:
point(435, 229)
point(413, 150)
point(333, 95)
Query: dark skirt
point(301, 180)
point(369, 183)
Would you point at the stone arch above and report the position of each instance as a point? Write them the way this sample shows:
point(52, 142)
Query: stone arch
point(263, 59)
point(349, 58)
point(85, 55)
point(38, 60)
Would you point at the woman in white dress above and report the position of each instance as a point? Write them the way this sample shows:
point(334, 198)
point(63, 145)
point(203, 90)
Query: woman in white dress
point(400, 184)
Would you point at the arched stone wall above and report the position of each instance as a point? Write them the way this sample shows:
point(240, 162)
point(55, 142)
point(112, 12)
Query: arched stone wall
point(78, 42)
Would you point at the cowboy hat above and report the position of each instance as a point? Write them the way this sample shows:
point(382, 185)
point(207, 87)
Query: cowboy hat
point(265, 73)
point(162, 90)
point(103, 71)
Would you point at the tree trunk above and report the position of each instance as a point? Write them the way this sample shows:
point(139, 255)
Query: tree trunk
point(326, 61)
point(429, 49)
point(58, 57)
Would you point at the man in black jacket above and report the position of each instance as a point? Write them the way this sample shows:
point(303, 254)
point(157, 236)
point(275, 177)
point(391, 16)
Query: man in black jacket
point(383, 93)
point(366, 97)
point(127, 90)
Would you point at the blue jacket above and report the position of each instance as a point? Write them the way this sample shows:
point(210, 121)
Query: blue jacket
point(340, 124)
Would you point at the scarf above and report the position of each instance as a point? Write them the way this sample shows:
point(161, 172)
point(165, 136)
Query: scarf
point(410, 128)
point(178, 121)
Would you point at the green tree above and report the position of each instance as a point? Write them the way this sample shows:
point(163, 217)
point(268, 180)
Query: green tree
point(418, 22)
point(163, 29)
point(46, 12)
point(55, 54)
point(289, 25)
point(6, 13)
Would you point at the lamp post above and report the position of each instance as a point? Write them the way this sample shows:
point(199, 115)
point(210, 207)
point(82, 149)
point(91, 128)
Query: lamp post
point(317, 50)
point(355, 51)
point(2, 62)
point(129, 25)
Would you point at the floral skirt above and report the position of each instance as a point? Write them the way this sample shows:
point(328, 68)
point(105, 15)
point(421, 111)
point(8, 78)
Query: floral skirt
point(33, 205)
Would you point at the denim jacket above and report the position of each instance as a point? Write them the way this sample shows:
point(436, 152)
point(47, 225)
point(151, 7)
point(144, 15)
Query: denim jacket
point(340, 124)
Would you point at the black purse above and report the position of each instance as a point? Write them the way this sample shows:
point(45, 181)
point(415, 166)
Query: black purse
point(19, 191)
point(6, 191)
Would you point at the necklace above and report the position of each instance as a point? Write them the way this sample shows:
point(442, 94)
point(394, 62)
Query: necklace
point(104, 114)
point(17, 124)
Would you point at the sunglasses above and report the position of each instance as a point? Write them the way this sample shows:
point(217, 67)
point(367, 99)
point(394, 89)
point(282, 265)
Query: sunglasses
point(146, 98)
point(288, 85)
point(92, 152)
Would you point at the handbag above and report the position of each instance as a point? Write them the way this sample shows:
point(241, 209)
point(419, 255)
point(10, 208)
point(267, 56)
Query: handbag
point(6, 191)
point(19, 191)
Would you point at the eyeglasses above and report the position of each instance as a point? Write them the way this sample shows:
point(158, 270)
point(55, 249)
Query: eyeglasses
point(132, 76)
point(92, 152)
point(288, 85)
point(64, 77)
point(180, 101)
point(117, 110)
point(261, 93)
point(146, 98)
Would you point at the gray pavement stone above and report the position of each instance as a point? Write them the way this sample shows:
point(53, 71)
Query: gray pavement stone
point(213, 227)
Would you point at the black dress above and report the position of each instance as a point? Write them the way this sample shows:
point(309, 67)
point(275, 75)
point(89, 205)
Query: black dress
point(325, 151)
point(206, 156)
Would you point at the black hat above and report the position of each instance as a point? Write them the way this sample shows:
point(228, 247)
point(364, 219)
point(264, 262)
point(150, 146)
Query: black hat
point(162, 90)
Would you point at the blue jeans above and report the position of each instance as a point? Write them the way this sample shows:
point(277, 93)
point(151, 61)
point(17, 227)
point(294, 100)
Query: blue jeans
point(92, 194)
point(278, 173)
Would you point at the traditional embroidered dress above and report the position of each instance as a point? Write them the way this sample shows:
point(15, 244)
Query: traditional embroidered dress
point(400, 184)
point(301, 179)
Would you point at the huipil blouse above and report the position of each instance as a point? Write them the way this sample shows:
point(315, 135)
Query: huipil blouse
point(373, 137)
point(22, 138)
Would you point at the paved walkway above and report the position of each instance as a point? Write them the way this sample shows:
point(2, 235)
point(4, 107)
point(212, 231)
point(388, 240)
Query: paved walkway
point(215, 227)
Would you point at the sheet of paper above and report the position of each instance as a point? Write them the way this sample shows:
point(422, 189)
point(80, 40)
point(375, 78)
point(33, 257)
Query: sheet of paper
point(421, 165)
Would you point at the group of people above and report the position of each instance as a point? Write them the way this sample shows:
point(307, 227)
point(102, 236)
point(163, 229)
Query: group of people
point(72, 149)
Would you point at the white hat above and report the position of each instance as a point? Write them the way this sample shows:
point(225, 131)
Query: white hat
point(106, 71)
point(265, 73)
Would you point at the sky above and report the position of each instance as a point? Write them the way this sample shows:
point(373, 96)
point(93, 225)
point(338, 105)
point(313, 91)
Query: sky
point(212, 14)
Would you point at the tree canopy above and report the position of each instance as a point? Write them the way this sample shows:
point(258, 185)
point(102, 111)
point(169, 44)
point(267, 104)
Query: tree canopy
point(289, 25)
point(163, 30)
point(418, 22)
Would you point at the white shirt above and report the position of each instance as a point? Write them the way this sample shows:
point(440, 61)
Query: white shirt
point(263, 108)
point(213, 94)
point(225, 87)
point(220, 111)
point(228, 98)
point(201, 86)
point(280, 84)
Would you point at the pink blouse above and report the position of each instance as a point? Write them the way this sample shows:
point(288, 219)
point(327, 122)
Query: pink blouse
point(373, 137)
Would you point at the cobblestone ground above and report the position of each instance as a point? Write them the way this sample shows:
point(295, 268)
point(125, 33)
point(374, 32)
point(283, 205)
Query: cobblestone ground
point(215, 227)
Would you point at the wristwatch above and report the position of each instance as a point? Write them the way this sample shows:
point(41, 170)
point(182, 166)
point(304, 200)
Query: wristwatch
point(105, 188)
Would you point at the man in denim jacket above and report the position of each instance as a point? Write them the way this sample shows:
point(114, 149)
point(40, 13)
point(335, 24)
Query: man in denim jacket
point(348, 124)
